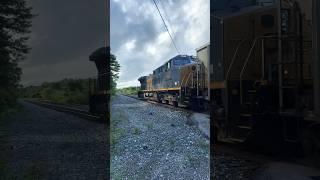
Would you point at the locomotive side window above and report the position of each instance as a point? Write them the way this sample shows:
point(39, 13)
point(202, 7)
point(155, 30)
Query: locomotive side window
point(267, 21)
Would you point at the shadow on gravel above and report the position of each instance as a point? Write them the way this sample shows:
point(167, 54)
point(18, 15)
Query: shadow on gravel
point(41, 143)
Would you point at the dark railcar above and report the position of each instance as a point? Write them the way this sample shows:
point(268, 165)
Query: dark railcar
point(265, 75)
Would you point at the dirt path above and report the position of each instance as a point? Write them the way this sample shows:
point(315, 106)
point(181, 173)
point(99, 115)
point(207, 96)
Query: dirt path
point(40, 143)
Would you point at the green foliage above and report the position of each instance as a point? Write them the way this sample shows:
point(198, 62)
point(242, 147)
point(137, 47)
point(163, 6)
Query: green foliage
point(118, 117)
point(136, 131)
point(129, 90)
point(205, 145)
point(114, 69)
point(100, 56)
point(15, 21)
point(67, 91)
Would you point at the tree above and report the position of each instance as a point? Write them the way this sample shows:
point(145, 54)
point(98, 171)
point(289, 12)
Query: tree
point(114, 70)
point(109, 67)
point(15, 22)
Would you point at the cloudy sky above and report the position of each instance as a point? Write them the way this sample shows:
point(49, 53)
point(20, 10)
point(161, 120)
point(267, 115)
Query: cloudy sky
point(64, 34)
point(139, 38)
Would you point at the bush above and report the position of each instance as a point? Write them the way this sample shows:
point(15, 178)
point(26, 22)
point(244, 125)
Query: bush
point(67, 91)
point(129, 90)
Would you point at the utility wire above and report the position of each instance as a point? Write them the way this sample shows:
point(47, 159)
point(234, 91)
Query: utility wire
point(166, 17)
point(166, 26)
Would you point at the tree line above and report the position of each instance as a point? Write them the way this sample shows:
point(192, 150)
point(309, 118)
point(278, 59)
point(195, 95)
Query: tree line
point(15, 23)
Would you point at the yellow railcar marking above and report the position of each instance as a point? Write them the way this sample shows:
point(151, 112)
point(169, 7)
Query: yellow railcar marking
point(163, 89)
point(217, 85)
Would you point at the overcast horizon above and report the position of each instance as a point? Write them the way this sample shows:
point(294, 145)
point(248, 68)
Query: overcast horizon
point(64, 34)
point(140, 41)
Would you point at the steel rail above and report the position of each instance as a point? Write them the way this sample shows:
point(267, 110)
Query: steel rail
point(165, 105)
point(67, 109)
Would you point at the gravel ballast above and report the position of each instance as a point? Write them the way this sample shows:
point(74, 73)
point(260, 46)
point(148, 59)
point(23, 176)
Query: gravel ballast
point(153, 142)
point(41, 143)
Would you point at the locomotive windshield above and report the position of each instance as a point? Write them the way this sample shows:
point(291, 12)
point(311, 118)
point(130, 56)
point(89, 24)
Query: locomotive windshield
point(230, 5)
point(181, 61)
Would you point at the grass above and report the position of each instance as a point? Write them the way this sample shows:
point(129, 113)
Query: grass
point(129, 90)
point(4, 120)
point(3, 165)
point(67, 91)
point(171, 141)
point(204, 145)
point(115, 136)
point(116, 131)
point(119, 175)
point(6, 114)
point(193, 160)
point(150, 125)
point(33, 172)
point(136, 131)
point(118, 118)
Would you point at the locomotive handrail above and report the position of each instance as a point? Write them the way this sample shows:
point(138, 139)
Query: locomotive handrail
point(183, 81)
point(187, 79)
point(233, 59)
point(247, 61)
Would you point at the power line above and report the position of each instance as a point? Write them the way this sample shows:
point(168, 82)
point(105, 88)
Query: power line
point(166, 16)
point(166, 26)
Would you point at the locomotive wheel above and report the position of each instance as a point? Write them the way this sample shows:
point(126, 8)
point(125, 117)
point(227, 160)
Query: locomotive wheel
point(92, 105)
point(159, 98)
point(92, 109)
point(205, 106)
point(311, 146)
point(175, 103)
point(215, 134)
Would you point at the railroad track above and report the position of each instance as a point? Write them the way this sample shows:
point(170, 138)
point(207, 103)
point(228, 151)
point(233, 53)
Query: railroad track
point(67, 109)
point(236, 150)
point(185, 109)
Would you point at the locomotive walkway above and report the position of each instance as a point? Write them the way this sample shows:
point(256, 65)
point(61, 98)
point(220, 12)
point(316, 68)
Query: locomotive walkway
point(40, 143)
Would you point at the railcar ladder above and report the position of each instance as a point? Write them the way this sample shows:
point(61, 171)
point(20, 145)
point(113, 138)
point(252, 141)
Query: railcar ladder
point(245, 123)
point(292, 85)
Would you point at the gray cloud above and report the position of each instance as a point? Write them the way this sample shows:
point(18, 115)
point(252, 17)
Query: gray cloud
point(66, 32)
point(122, 30)
point(139, 39)
point(63, 35)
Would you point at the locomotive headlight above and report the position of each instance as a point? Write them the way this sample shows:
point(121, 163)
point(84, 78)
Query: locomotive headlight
point(175, 83)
